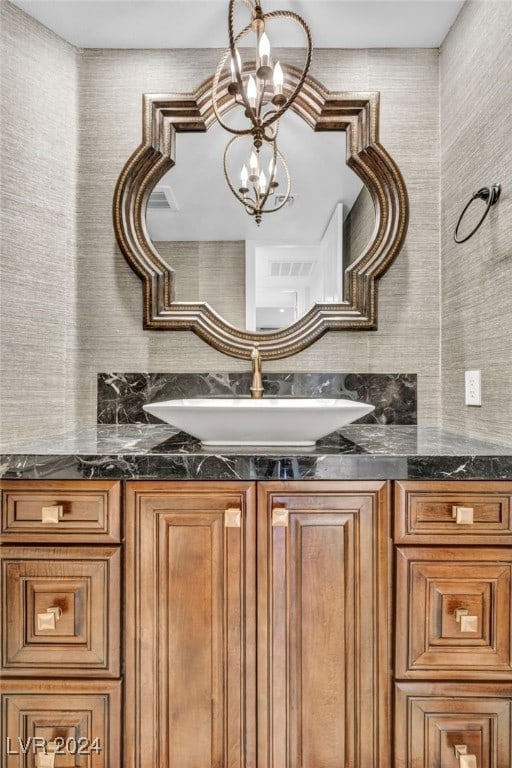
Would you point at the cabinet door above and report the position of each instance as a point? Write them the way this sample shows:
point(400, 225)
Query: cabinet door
point(453, 611)
point(60, 612)
point(78, 721)
point(323, 652)
point(190, 627)
point(453, 725)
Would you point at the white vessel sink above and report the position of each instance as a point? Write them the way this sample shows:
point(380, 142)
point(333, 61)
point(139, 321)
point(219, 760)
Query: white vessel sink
point(269, 421)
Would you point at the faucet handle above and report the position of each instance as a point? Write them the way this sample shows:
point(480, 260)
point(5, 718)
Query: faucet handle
point(257, 383)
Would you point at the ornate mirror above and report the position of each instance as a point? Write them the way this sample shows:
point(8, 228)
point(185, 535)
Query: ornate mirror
point(311, 267)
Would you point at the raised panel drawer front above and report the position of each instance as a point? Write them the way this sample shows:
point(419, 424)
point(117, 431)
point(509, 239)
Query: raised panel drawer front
point(190, 625)
point(60, 611)
point(453, 725)
point(323, 668)
point(61, 512)
point(78, 723)
point(453, 611)
point(453, 512)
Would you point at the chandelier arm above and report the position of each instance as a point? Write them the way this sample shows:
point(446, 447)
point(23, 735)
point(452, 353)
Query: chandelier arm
point(264, 198)
point(215, 87)
point(232, 48)
point(249, 204)
point(271, 112)
point(288, 186)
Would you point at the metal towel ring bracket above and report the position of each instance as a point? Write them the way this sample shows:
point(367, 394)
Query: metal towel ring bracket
point(491, 194)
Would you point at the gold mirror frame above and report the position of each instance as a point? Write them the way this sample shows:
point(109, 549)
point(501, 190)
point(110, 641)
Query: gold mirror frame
point(164, 115)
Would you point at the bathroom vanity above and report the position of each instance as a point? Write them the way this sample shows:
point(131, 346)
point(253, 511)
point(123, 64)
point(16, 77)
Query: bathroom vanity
point(180, 608)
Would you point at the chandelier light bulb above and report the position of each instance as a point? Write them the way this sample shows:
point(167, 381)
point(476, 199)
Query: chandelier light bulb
point(254, 167)
point(252, 92)
point(272, 174)
point(264, 46)
point(244, 180)
point(278, 78)
point(278, 99)
point(235, 67)
point(264, 71)
point(262, 183)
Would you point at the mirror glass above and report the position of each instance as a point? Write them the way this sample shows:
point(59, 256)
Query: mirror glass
point(261, 278)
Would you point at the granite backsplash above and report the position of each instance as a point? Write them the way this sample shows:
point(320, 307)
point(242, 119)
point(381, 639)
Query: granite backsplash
point(122, 395)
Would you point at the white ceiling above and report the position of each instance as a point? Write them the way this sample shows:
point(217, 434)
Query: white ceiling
point(202, 23)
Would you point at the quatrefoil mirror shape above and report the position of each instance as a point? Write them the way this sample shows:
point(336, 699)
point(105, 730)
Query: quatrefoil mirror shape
point(167, 115)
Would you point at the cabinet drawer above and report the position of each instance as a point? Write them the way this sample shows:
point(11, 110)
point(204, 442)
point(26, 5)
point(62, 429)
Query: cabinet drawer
point(80, 720)
point(60, 611)
point(436, 725)
point(453, 611)
point(37, 511)
point(453, 512)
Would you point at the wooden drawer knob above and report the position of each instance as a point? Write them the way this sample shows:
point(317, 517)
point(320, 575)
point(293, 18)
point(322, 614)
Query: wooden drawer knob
point(52, 515)
point(280, 517)
point(467, 623)
point(49, 619)
point(233, 517)
point(463, 515)
point(465, 760)
point(45, 760)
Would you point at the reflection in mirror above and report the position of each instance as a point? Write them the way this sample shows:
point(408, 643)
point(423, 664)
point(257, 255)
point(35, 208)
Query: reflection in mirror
point(261, 278)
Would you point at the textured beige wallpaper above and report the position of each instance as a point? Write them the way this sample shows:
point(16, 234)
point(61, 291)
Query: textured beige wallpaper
point(39, 110)
point(71, 306)
point(110, 336)
point(213, 272)
point(358, 227)
point(476, 142)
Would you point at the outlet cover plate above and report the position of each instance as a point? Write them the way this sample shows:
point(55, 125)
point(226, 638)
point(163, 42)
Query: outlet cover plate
point(473, 388)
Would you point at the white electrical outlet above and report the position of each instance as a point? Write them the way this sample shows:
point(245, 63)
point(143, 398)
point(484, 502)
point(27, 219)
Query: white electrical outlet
point(473, 388)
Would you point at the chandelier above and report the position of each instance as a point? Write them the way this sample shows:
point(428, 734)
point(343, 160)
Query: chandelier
point(257, 87)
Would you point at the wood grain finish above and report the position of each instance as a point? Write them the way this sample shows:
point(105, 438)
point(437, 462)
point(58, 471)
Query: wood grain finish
point(453, 623)
point(165, 115)
point(323, 648)
point(85, 584)
point(190, 626)
point(423, 512)
point(431, 585)
point(91, 511)
point(431, 719)
point(50, 709)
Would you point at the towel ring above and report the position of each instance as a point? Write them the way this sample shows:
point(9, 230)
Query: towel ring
point(491, 194)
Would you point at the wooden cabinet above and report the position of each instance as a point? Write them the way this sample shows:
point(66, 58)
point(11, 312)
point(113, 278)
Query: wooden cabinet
point(190, 624)
point(257, 628)
point(61, 622)
point(453, 596)
point(257, 624)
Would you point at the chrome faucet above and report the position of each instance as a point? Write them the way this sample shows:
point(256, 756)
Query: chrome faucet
point(257, 383)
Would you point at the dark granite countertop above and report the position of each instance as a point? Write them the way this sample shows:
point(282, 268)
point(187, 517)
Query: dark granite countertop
point(357, 452)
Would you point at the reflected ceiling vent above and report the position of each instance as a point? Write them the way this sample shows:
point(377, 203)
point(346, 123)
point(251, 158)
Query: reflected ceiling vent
point(291, 268)
point(279, 199)
point(163, 199)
